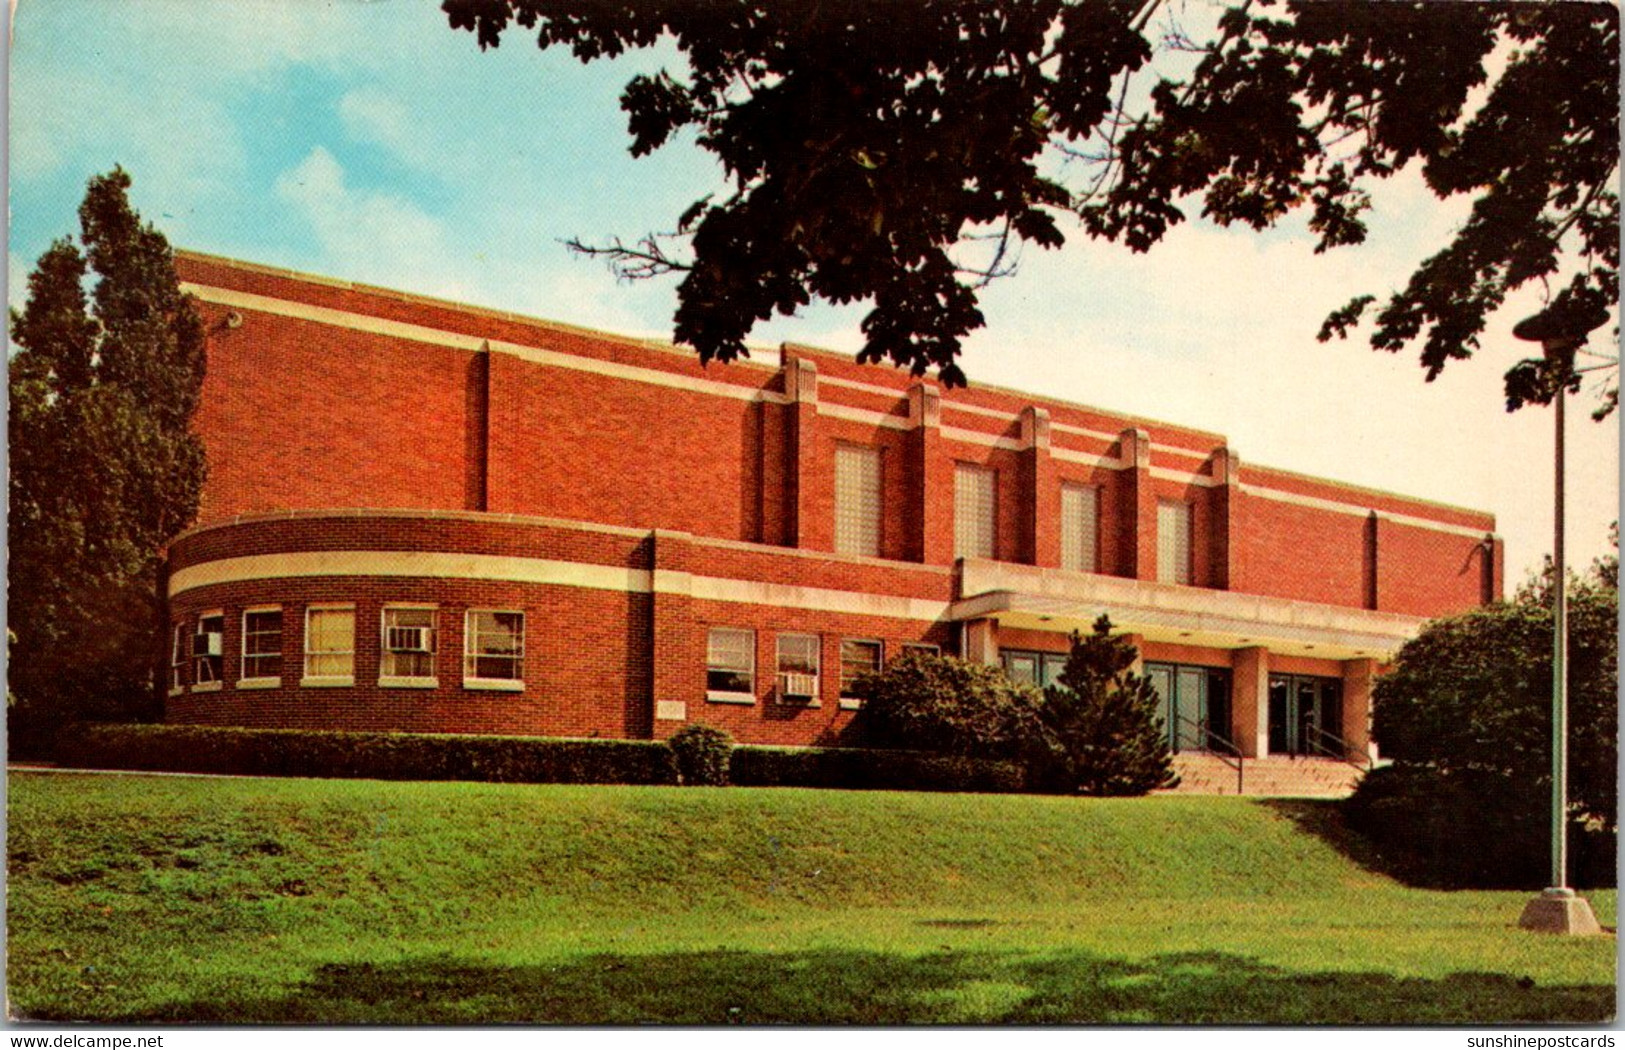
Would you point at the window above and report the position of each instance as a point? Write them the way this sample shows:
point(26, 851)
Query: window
point(1080, 511)
point(208, 651)
point(407, 647)
point(1195, 704)
point(1040, 669)
point(857, 500)
point(494, 650)
point(798, 667)
point(730, 663)
point(329, 645)
point(1173, 542)
point(858, 656)
point(973, 510)
point(262, 646)
point(177, 660)
point(922, 648)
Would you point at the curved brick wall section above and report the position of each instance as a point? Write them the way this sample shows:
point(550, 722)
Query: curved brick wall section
point(610, 628)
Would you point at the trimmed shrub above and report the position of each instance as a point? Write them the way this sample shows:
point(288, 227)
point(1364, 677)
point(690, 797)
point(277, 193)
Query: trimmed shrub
point(702, 754)
point(873, 770)
point(1105, 721)
point(379, 756)
point(1470, 829)
point(923, 702)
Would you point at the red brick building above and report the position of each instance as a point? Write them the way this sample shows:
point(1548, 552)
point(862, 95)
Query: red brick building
point(431, 517)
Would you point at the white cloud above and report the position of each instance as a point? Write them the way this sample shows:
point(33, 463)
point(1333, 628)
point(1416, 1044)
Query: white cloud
point(367, 235)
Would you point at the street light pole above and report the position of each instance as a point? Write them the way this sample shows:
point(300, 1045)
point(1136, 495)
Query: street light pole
point(1559, 909)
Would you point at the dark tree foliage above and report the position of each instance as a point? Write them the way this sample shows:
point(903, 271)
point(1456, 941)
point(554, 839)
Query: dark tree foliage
point(921, 702)
point(1466, 717)
point(900, 153)
point(1105, 721)
point(104, 466)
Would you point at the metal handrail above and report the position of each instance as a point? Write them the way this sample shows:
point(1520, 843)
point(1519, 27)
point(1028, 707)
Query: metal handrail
point(1343, 751)
point(1226, 751)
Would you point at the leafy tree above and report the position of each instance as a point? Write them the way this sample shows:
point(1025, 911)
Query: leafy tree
point(1465, 715)
point(1105, 720)
point(900, 153)
point(923, 702)
point(104, 467)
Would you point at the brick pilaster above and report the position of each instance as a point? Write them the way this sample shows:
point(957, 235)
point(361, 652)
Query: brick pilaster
point(930, 480)
point(1358, 677)
point(810, 493)
point(1224, 572)
point(1137, 528)
point(1040, 492)
point(676, 642)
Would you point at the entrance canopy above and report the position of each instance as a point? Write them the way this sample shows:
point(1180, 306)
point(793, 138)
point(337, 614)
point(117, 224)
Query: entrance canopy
point(1058, 600)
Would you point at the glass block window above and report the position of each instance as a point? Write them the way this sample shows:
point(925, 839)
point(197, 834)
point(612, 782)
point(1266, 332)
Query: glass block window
point(730, 661)
point(208, 648)
point(1080, 513)
point(494, 645)
point(858, 656)
point(973, 510)
point(408, 643)
point(857, 500)
point(262, 643)
point(1173, 542)
point(330, 642)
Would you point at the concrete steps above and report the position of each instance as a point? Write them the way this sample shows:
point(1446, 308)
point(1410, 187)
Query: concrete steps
point(1279, 776)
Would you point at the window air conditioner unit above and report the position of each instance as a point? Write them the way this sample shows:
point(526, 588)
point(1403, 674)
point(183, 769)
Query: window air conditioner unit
point(798, 685)
point(408, 639)
point(211, 644)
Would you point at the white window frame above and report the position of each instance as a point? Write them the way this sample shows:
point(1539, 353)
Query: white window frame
point(855, 532)
point(386, 654)
point(213, 683)
point(968, 529)
point(325, 681)
point(729, 696)
point(1080, 539)
point(244, 679)
point(847, 701)
point(811, 698)
point(470, 655)
point(1170, 568)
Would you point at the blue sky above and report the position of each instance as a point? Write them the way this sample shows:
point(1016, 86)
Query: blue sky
point(363, 139)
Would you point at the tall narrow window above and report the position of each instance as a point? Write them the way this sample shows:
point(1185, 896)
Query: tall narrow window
point(858, 657)
point(1173, 542)
point(973, 510)
point(177, 660)
point(494, 650)
point(330, 645)
point(730, 662)
point(262, 645)
point(798, 667)
point(208, 651)
point(857, 500)
point(1080, 510)
point(408, 647)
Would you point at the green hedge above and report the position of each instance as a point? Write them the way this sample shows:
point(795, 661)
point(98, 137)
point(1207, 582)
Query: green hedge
point(379, 756)
point(424, 756)
point(871, 770)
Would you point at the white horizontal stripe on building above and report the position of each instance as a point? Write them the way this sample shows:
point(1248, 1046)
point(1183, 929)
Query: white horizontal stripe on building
point(546, 571)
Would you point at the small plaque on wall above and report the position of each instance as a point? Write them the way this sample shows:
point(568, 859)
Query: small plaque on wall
point(671, 710)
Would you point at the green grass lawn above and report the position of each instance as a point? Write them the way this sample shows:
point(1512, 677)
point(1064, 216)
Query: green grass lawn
point(170, 899)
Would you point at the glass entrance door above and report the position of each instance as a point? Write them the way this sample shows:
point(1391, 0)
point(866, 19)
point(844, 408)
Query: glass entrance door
point(1194, 700)
point(1306, 714)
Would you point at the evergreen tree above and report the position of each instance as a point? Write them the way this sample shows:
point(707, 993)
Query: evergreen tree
point(105, 469)
point(1106, 721)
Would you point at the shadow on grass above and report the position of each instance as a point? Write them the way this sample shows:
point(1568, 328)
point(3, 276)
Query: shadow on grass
point(837, 986)
point(1323, 818)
